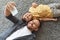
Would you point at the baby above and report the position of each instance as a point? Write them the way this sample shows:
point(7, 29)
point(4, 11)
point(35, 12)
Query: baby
point(45, 11)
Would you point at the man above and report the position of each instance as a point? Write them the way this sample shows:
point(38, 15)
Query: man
point(22, 29)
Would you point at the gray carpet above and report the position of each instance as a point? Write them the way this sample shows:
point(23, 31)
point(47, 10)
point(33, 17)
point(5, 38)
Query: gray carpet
point(48, 31)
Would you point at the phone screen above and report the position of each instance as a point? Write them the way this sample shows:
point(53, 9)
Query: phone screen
point(14, 11)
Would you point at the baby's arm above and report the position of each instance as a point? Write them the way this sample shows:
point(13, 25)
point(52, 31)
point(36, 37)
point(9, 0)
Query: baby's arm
point(48, 19)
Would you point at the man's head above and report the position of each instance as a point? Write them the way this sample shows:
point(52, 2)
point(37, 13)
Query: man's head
point(27, 17)
point(33, 25)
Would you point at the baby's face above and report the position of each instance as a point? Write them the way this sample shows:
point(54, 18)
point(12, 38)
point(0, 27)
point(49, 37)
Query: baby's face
point(34, 25)
point(27, 17)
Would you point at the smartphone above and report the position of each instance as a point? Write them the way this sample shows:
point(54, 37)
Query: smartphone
point(14, 11)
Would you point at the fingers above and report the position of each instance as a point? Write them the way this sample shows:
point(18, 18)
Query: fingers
point(6, 12)
point(13, 3)
point(10, 6)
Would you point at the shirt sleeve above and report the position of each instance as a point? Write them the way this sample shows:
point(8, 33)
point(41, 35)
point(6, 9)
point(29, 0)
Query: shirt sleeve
point(12, 18)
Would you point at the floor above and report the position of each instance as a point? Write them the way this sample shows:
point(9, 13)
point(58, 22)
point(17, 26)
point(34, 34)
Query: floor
point(48, 30)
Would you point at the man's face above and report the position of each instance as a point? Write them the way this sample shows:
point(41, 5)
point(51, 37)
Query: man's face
point(27, 17)
point(33, 25)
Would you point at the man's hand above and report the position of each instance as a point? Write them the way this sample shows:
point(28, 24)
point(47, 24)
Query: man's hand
point(8, 8)
point(27, 17)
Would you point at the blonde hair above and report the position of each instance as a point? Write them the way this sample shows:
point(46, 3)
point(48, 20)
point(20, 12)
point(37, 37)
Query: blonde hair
point(42, 11)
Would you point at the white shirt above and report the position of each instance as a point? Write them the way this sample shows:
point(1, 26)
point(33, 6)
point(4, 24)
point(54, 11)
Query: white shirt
point(19, 33)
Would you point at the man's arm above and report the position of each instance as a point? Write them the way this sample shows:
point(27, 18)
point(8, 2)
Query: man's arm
point(12, 18)
point(8, 14)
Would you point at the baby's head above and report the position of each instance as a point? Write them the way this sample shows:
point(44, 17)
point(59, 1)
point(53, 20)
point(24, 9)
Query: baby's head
point(33, 25)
